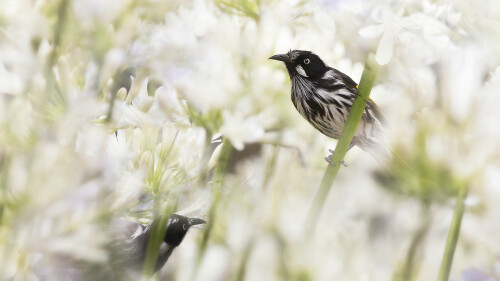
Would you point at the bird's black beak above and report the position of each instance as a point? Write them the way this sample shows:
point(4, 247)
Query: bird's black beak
point(282, 57)
point(196, 221)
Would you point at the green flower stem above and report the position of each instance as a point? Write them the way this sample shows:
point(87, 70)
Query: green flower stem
point(358, 106)
point(109, 115)
point(451, 241)
point(410, 268)
point(207, 153)
point(158, 228)
point(270, 167)
point(4, 168)
point(242, 268)
point(62, 14)
point(218, 181)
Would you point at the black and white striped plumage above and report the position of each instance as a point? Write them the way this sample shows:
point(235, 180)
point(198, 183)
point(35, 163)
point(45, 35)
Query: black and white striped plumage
point(323, 96)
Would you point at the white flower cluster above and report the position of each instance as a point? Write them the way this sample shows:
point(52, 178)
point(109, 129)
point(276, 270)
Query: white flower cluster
point(109, 109)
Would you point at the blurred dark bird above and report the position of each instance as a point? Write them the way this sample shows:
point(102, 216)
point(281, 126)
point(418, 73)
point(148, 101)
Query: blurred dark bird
point(127, 253)
point(324, 96)
point(130, 249)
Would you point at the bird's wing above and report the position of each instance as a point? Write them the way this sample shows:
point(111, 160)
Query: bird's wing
point(128, 246)
point(346, 80)
point(334, 80)
point(371, 105)
point(330, 82)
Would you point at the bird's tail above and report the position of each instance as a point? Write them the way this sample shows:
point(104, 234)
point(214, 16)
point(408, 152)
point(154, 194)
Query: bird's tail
point(372, 139)
point(382, 152)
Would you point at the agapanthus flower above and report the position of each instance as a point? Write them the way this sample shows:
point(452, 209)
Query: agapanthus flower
point(395, 27)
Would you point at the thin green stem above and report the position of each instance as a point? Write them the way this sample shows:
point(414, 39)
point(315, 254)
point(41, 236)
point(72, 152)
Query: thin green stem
point(242, 269)
point(4, 173)
point(207, 153)
point(62, 14)
point(358, 106)
point(410, 268)
point(270, 167)
point(284, 270)
point(218, 181)
point(451, 241)
point(158, 228)
point(109, 115)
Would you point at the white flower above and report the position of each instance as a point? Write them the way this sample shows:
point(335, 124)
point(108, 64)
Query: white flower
point(168, 104)
point(397, 28)
point(129, 116)
point(240, 129)
point(190, 146)
point(142, 100)
point(214, 265)
point(21, 26)
point(104, 11)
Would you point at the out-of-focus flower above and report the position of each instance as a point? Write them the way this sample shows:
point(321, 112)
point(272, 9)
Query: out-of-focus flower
point(104, 12)
point(473, 274)
point(241, 130)
point(200, 69)
point(167, 102)
point(397, 28)
point(213, 266)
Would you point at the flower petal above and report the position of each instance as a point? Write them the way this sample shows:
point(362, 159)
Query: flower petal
point(380, 13)
point(385, 49)
point(372, 31)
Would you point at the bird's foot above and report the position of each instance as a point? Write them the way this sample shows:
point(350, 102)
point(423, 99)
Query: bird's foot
point(328, 159)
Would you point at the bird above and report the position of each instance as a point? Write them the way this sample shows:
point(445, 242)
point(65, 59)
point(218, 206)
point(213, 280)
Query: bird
point(324, 95)
point(127, 250)
point(131, 243)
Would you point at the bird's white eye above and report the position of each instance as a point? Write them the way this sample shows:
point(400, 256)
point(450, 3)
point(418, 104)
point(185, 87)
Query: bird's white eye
point(307, 61)
point(185, 226)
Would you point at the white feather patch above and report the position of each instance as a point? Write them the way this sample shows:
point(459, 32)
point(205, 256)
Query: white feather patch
point(301, 71)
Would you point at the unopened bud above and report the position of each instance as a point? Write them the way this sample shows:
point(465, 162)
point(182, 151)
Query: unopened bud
point(121, 94)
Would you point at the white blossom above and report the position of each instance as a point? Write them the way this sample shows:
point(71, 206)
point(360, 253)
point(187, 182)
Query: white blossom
point(199, 72)
point(397, 28)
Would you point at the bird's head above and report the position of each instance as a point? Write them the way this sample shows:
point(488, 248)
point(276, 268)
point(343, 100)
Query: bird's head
point(177, 228)
point(303, 63)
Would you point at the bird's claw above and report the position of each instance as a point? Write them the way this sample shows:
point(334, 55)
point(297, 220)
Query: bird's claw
point(328, 159)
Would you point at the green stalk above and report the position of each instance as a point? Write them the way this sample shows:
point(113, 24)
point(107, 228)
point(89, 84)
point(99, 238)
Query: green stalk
point(109, 115)
point(218, 177)
point(62, 14)
point(207, 153)
point(451, 241)
point(4, 169)
point(270, 167)
point(218, 181)
point(410, 268)
point(358, 106)
point(242, 269)
point(158, 228)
